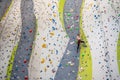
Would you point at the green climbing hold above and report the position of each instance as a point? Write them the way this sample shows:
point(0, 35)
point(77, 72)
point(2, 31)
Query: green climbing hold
point(66, 65)
point(83, 55)
point(71, 29)
point(69, 14)
point(77, 28)
point(68, 18)
point(119, 15)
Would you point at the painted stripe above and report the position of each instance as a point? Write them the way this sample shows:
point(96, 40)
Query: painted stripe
point(85, 65)
point(10, 64)
point(69, 63)
point(61, 10)
point(118, 53)
point(20, 65)
point(45, 59)
point(8, 9)
point(4, 16)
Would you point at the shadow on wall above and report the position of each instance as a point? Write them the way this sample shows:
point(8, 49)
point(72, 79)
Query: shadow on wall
point(24, 50)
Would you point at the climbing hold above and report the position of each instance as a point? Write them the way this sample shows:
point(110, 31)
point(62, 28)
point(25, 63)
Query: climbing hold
point(83, 55)
point(45, 69)
point(42, 60)
point(53, 28)
point(25, 61)
point(69, 14)
point(52, 33)
point(53, 71)
point(30, 31)
point(44, 46)
point(26, 78)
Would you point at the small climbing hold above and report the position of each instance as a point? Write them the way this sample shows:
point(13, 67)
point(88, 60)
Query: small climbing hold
point(53, 71)
point(69, 14)
point(45, 69)
point(30, 31)
point(44, 38)
point(42, 60)
point(25, 61)
point(44, 46)
point(26, 78)
point(52, 33)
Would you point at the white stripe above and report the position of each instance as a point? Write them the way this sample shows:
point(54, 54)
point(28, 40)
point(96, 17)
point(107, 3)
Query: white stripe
point(11, 23)
point(43, 14)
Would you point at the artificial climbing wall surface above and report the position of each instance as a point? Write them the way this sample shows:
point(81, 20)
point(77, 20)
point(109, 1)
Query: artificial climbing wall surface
point(38, 40)
point(50, 42)
point(101, 27)
point(9, 36)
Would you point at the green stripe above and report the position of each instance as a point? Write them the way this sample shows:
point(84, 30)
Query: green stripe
point(118, 53)
point(10, 65)
point(85, 54)
point(8, 9)
point(61, 10)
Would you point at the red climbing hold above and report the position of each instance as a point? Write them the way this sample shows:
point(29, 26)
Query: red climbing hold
point(26, 49)
point(25, 61)
point(23, 71)
point(30, 30)
point(26, 78)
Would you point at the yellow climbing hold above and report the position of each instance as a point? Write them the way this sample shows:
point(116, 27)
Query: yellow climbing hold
point(49, 4)
point(44, 46)
point(54, 15)
point(52, 33)
point(45, 69)
point(42, 60)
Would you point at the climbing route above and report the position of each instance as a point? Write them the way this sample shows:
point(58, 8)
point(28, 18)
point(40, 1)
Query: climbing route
point(68, 65)
point(20, 65)
point(50, 42)
point(85, 61)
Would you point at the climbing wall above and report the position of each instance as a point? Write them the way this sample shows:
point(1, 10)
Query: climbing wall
point(99, 24)
point(50, 41)
point(4, 9)
point(9, 37)
point(38, 39)
point(4, 4)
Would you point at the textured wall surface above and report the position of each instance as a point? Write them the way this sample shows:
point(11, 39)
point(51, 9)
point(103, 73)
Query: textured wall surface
point(100, 26)
point(38, 39)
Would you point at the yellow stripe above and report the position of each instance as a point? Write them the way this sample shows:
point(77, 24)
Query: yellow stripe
point(85, 65)
point(10, 65)
point(61, 10)
point(118, 52)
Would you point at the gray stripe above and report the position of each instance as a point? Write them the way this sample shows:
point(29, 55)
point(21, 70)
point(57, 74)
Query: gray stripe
point(71, 18)
point(20, 68)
